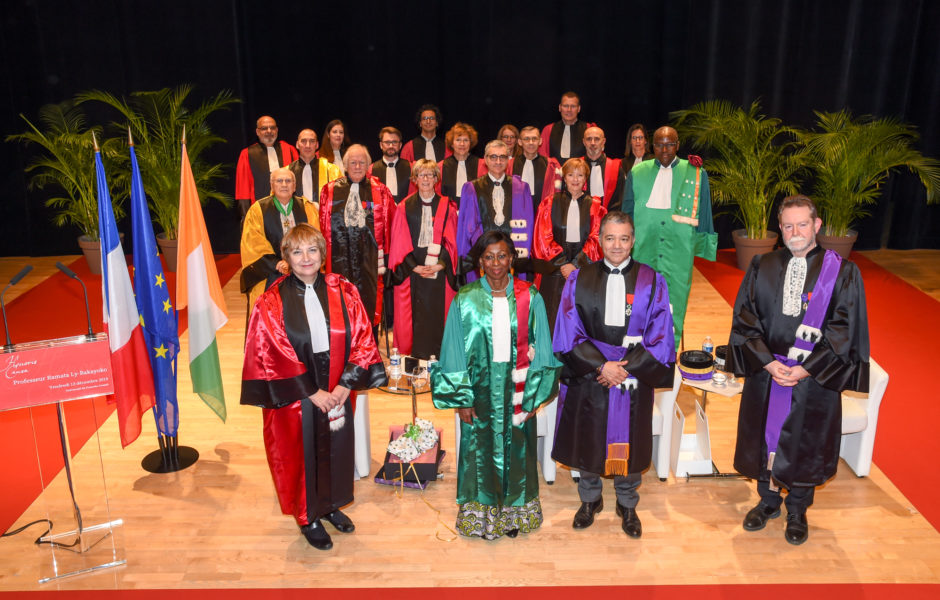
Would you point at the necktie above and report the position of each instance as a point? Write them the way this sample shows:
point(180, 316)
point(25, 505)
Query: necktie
point(273, 163)
point(528, 175)
point(391, 178)
point(793, 283)
point(354, 215)
point(426, 234)
point(316, 321)
point(597, 181)
point(566, 142)
point(306, 180)
point(615, 302)
point(573, 223)
point(461, 176)
point(499, 204)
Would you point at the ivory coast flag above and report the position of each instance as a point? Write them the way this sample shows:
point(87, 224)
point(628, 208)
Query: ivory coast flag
point(198, 290)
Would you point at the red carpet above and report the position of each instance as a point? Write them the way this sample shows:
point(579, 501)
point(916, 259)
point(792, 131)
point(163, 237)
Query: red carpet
point(55, 308)
point(904, 325)
point(847, 591)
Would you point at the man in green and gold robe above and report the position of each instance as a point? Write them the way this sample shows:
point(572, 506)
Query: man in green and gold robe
point(501, 373)
point(671, 205)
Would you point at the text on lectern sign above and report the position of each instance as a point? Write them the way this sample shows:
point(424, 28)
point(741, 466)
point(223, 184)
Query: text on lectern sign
point(55, 371)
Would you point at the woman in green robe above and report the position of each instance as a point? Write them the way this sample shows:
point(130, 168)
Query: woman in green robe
point(496, 389)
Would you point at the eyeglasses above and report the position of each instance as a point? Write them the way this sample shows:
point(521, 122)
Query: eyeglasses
point(570, 106)
point(429, 118)
point(390, 142)
point(638, 138)
point(665, 145)
point(426, 175)
point(497, 157)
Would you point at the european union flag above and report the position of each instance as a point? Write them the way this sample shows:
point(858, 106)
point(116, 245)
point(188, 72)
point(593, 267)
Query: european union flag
point(157, 313)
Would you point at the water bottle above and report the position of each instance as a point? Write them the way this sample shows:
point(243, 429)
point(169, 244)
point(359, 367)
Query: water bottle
point(394, 366)
point(431, 361)
point(708, 345)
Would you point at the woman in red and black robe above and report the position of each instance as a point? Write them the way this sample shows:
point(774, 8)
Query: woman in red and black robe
point(422, 261)
point(309, 343)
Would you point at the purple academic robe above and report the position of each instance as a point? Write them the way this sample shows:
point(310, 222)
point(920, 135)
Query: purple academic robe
point(589, 415)
point(475, 217)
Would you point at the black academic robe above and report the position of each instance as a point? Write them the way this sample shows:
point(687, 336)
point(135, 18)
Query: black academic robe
point(414, 148)
point(353, 252)
point(613, 179)
point(583, 403)
point(626, 164)
point(808, 449)
point(448, 184)
point(551, 144)
point(403, 172)
point(539, 166)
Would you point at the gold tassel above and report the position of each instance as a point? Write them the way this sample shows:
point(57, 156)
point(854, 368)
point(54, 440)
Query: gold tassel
point(617, 459)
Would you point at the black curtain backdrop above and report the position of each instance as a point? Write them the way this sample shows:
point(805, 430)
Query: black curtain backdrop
point(486, 63)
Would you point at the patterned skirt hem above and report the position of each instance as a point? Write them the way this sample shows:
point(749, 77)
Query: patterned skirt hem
point(491, 522)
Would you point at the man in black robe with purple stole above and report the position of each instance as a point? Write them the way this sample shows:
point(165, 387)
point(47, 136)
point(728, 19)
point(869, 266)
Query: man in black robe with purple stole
point(800, 336)
point(614, 334)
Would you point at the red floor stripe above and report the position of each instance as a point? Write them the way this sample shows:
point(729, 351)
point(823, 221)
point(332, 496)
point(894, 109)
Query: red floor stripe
point(904, 325)
point(55, 308)
point(835, 591)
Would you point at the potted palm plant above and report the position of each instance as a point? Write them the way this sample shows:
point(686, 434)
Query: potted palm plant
point(753, 159)
point(67, 164)
point(850, 160)
point(155, 120)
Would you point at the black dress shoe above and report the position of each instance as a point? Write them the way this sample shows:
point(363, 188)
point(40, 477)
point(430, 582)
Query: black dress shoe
point(631, 522)
point(317, 536)
point(757, 517)
point(341, 522)
point(584, 518)
point(797, 528)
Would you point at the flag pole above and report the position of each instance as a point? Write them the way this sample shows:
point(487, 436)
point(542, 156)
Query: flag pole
point(170, 457)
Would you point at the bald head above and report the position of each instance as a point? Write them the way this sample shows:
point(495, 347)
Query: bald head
point(594, 142)
point(665, 145)
point(266, 130)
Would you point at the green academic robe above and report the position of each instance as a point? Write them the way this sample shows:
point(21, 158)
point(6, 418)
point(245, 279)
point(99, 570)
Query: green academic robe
point(666, 239)
point(497, 463)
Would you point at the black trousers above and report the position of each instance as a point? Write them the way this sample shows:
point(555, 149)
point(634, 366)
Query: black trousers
point(797, 501)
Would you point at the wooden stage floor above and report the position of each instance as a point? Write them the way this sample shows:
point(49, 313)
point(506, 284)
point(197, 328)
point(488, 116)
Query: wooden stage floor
point(218, 525)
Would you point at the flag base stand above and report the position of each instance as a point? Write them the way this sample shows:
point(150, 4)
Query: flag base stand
point(171, 457)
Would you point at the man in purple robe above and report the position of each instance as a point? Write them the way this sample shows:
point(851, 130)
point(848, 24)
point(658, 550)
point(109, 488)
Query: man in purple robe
point(800, 336)
point(614, 335)
point(500, 201)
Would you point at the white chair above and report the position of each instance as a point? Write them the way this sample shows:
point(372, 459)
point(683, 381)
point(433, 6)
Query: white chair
point(664, 402)
point(860, 421)
point(363, 444)
point(545, 427)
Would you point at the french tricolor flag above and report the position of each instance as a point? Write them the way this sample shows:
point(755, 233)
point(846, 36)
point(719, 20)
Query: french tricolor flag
point(133, 376)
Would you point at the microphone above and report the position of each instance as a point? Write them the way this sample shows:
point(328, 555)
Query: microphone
point(69, 272)
point(16, 279)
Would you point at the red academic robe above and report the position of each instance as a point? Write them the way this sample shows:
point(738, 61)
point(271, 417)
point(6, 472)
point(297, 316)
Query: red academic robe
point(552, 173)
point(440, 150)
point(311, 462)
point(253, 175)
point(612, 175)
point(429, 299)
point(361, 258)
